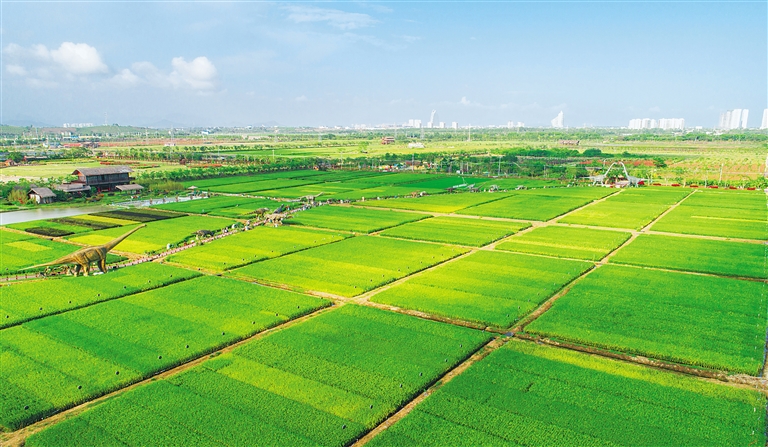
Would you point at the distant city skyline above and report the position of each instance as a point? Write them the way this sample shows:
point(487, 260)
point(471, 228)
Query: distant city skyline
point(329, 64)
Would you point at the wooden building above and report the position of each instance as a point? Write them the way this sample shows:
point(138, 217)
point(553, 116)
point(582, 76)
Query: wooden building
point(41, 195)
point(103, 179)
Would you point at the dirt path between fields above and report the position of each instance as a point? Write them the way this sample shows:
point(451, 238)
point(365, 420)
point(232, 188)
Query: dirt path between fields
point(447, 377)
point(18, 437)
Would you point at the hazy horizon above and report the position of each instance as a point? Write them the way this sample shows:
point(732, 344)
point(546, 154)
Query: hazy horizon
point(339, 64)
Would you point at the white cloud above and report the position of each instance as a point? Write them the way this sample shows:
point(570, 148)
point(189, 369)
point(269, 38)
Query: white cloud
point(199, 74)
point(42, 67)
point(655, 109)
point(464, 101)
point(17, 70)
point(301, 98)
point(77, 58)
point(334, 17)
point(126, 78)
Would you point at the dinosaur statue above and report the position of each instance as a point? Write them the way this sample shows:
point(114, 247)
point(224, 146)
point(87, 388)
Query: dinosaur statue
point(83, 258)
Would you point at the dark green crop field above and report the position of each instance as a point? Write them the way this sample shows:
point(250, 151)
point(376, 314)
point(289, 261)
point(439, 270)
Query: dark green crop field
point(698, 320)
point(528, 395)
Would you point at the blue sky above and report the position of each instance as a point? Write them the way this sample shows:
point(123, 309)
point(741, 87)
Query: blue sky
point(327, 63)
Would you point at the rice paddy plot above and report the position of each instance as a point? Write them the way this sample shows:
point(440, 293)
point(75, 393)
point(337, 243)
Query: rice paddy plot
point(139, 214)
point(322, 382)
point(219, 181)
point(456, 230)
point(359, 220)
point(526, 394)
point(28, 300)
point(566, 242)
point(260, 185)
point(327, 190)
point(748, 200)
point(511, 183)
point(50, 228)
point(631, 209)
point(344, 176)
point(442, 203)
point(206, 205)
point(384, 191)
point(399, 178)
point(249, 210)
point(528, 205)
point(703, 321)
point(744, 223)
point(253, 245)
point(20, 251)
point(441, 182)
point(349, 267)
point(59, 361)
point(696, 255)
point(491, 288)
point(96, 220)
point(156, 235)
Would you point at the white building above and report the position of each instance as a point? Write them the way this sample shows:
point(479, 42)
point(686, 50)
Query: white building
point(764, 124)
point(672, 123)
point(643, 123)
point(733, 119)
point(441, 125)
point(557, 123)
point(414, 123)
point(455, 125)
point(514, 125)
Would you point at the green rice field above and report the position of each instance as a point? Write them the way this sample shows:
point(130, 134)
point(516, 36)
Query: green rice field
point(631, 209)
point(29, 300)
point(697, 320)
point(549, 315)
point(696, 255)
point(109, 345)
point(436, 204)
point(205, 206)
point(19, 251)
point(491, 288)
point(156, 235)
point(725, 214)
point(456, 230)
point(250, 246)
point(323, 382)
point(358, 220)
point(350, 267)
point(544, 204)
point(260, 185)
point(524, 394)
point(566, 242)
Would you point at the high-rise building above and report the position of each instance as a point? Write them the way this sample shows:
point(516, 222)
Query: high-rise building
point(441, 125)
point(733, 119)
point(764, 124)
point(671, 123)
point(557, 122)
point(454, 125)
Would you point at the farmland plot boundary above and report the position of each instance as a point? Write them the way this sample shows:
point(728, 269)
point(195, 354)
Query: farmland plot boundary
point(17, 438)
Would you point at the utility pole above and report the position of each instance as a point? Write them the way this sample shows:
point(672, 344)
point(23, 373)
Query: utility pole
point(469, 135)
point(499, 174)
